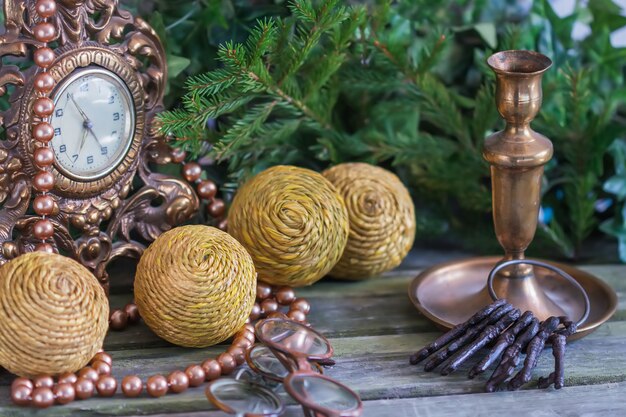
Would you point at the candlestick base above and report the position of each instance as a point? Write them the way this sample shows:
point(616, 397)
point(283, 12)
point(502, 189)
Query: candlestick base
point(450, 293)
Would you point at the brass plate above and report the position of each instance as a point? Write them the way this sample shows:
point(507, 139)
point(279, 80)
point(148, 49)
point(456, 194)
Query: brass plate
point(450, 293)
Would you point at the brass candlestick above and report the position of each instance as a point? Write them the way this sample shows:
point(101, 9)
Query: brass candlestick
point(450, 293)
point(517, 156)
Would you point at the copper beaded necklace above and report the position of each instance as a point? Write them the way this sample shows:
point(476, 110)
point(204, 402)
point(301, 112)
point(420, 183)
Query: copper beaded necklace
point(44, 391)
point(43, 132)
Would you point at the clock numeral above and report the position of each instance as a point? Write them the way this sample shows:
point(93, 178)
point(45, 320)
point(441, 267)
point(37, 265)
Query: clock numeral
point(74, 157)
point(59, 113)
point(111, 99)
point(114, 133)
point(57, 131)
point(62, 148)
point(104, 150)
point(116, 116)
point(90, 159)
point(84, 87)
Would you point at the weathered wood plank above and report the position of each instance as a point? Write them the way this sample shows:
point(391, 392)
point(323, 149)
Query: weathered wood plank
point(607, 400)
point(372, 307)
point(375, 366)
point(373, 328)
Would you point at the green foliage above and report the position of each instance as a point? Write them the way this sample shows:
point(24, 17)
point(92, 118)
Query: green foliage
point(404, 84)
point(192, 31)
point(616, 185)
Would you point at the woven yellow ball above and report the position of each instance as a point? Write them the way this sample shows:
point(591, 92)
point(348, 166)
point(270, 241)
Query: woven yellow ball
point(54, 315)
point(382, 220)
point(293, 223)
point(195, 286)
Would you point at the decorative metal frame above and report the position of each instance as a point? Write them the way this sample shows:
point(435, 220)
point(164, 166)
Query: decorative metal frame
point(103, 219)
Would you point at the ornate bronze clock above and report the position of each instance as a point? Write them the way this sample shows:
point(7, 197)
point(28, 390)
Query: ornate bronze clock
point(109, 75)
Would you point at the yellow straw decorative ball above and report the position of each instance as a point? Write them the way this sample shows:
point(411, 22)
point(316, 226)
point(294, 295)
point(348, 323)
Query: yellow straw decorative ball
point(293, 223)
point(382, 219)
point(54, 315)
point(195, 286)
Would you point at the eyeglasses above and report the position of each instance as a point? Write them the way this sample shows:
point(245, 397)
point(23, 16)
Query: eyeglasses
point(290, 354)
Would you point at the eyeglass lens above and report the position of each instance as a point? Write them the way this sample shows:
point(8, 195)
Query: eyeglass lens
point(315, 391)
point(243, 397)
point(262, 360)
point(293, 337)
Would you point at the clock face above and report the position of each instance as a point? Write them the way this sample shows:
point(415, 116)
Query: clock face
point(94, 123)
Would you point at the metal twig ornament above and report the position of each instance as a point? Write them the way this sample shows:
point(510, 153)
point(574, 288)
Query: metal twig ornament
point(511, 334)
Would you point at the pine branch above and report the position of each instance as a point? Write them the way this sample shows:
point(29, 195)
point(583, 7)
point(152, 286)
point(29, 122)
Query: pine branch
point(438, 107)
point(211, 83)
point(429, 56)
point(243, 129)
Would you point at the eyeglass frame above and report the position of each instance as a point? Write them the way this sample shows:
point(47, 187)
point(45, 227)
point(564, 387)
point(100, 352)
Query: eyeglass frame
point(303, 367)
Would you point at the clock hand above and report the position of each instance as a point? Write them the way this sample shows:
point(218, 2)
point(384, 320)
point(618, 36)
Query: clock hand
point(82, 113)
point(89, 127)
point(82, 141)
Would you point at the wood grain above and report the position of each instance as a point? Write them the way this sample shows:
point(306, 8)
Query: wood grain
point(374, 328)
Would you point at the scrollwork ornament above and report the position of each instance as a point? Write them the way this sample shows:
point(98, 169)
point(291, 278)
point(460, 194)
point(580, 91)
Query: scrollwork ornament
point(88, 33)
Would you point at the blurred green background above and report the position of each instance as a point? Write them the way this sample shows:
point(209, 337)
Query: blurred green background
point(404, 84)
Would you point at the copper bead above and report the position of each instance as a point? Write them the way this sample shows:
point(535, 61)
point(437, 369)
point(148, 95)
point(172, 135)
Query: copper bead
point(243, 342)
point(44, 32)
point(256, 312)
point(101, 367)
point(88, 373)
point(206, 189)
point(212, 369)
point(43, 132)
point(248, 335)
point(43, 156)
point(46, 8)
point(43, 229)
point(84, 388)
point(20, 395)
point(285, 295)
point(192, 171)
point(178, 155)
point(104, 357)
point(263, 291)
point(196, 375)
point(223, 225)
point(68, 377)
point(21, 381)
point(132, 386)
point(44, 381)
point(106, 386)
point(43, 181)
point(238, 353)
point(43, 57)
point(44, 82)
point(44, 247)
point(301, 304)
point(118, 320)
point(227, 363)
point(43, 107)
point(216, 208)
point(132, 312)
point(156, 386)
point(296, 315)
point(64, 393)
point(269, 306)
point(178, 381)
point(42, 397)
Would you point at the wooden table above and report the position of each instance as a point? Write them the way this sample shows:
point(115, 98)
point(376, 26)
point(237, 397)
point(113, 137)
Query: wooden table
point(374, 328)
